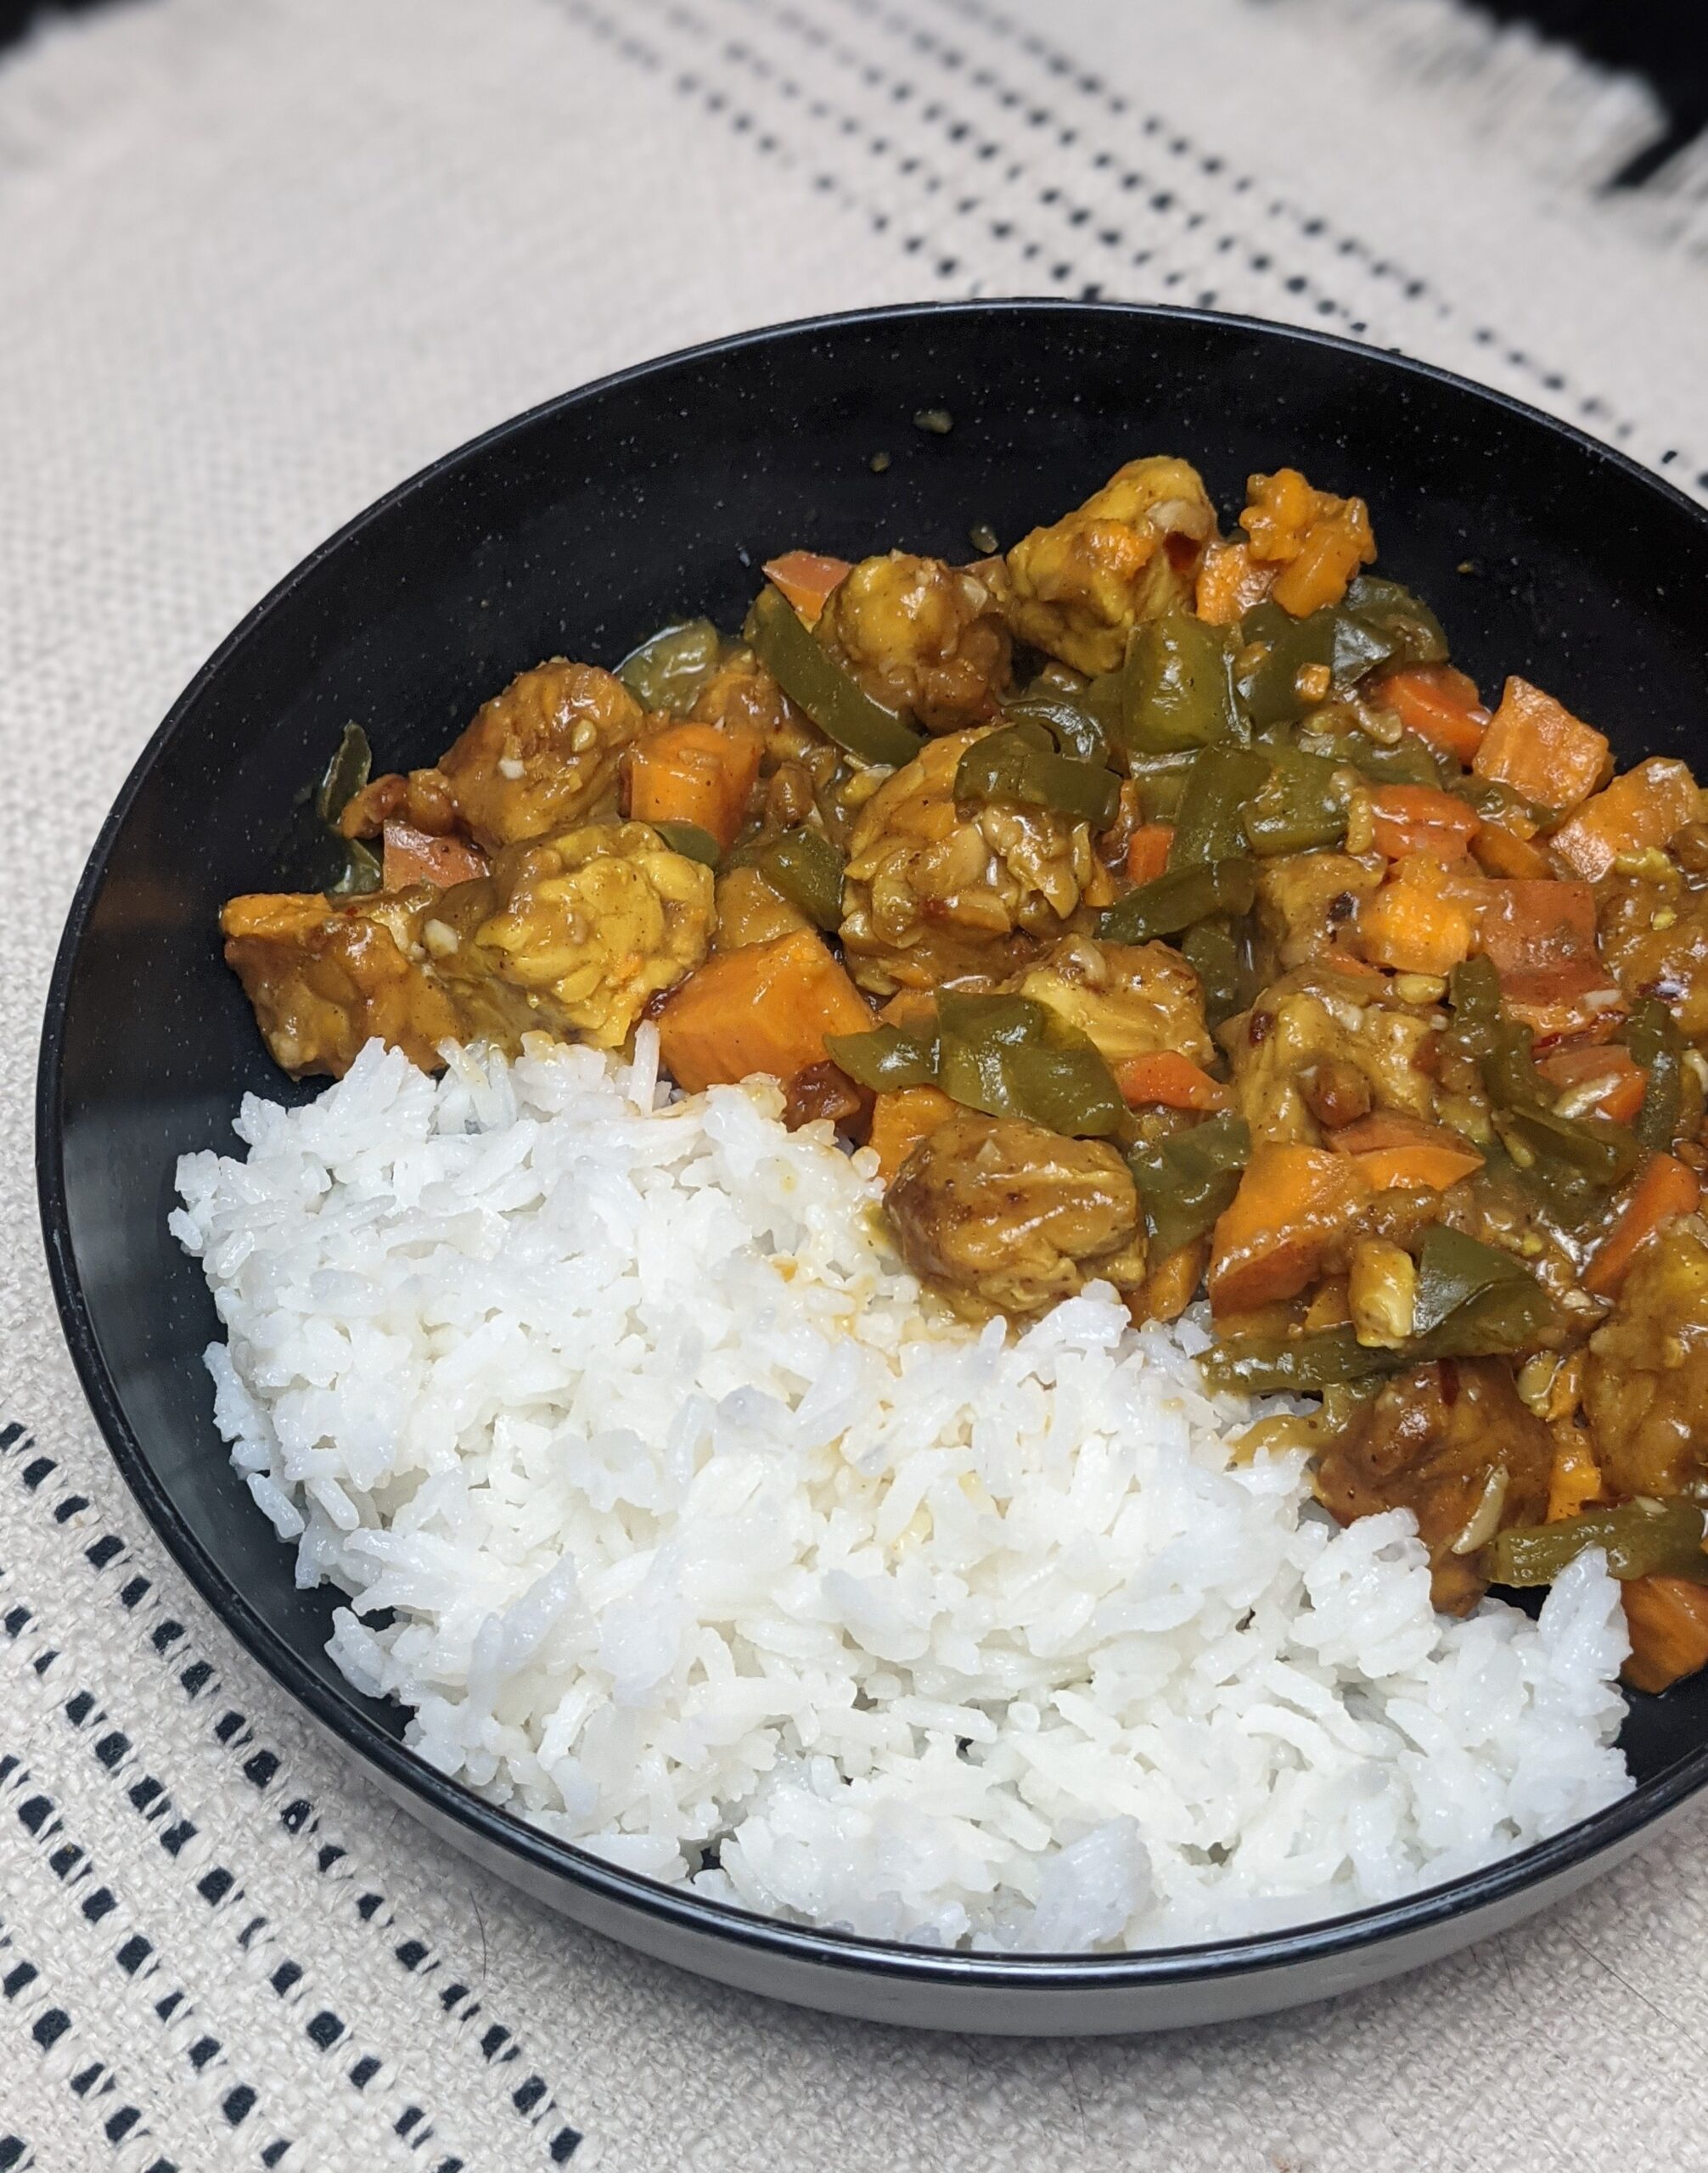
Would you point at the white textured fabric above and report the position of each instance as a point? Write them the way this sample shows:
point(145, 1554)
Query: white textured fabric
point(258, 261)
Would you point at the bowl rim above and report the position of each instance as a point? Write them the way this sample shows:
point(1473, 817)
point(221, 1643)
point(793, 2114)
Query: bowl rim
point(450, 1800)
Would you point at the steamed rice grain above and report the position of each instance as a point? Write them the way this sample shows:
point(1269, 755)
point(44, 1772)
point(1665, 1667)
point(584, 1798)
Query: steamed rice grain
point(687, 1531)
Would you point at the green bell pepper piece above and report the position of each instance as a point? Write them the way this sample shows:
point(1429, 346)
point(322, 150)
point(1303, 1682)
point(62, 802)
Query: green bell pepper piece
point(1011, 764)
point(1187, 1179)
point(1209, 824)
point(1640, 1539)
point(692, 842)
point(1075, 727)
point(888, 1058)
point(1219, 951)
point(804, 867)
point(1162, 780)
point(1067, 1088)
point(1392, 621)
point(1274, 649)
point(1654, 1042)
point(668, 671)
point(813, 680)
point(1299, 809)
point(1177, 898)
point(991, 1021)
point(314, 854)
point(1176, 687)
point(1472, 1300)
point(1410, 760)
point(1296, 1364)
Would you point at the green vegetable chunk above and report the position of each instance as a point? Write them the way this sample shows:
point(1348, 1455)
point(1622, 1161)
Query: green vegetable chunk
point(1569, 1161)
point(314, 854)
point(1640, 1539)
point(1209, 824)
point(1176, 686)
point(813, 680)
point(668, 671)
point(1177, 898)
point(1300, 807)
point(1071, 720)
point(804, 867)
point(887, 1059)
point(992, 1021)
point(1219, 951)
point(691, 841)
point(1301, 1365)
point(1472, 1300)
point(1187, 1180)
point(1275, 648)
point(1011, 764)
point(1656, 1044)
point(1006, 1055)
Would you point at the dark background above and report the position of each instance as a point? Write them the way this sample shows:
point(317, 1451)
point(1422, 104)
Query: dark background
point(1666, 41)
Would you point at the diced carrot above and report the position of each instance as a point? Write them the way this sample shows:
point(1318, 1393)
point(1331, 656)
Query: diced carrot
point(806, 579)
point(1292, 1205)
point(1644, 809)
point(1667, 1618)
point(1413, 925)
point(1229, 582)
point(900, 1120)
point(1665, 1187)
point(1392, 1149)
point(1534, 745)
point(1501, 851)
point(1169, 1080)
point(1576, 1477)
point(1440, 705)
point(765, 1007)
point(1147, 851)
point(413, 856)
point(1418, 1169)
point(1384, 1129)
point(1334, 551)
point(699, 773)
point(1602, 1079)
point(1412, 818)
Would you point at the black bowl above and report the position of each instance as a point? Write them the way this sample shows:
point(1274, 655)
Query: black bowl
point(577, 530)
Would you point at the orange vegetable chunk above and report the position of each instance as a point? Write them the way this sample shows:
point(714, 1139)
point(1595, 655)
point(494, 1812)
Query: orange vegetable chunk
point(1667, 1618)
point(1412, 818)
point(765, 1007)
point(1392, 1149)
point(1665, 1187)
point(1147, 851)
point(1292, 1205)
point(1644, 809)
point(412, 856)
point(1535, 745)
point(1414, 925)
point(1229, 582)
point(806, 579)
point(900, 1120)
point(1440, 705)
point(699, 773)
point(1502, 851)
point(1169, 1080)
point(1576, 1477)
point(1609, 1075)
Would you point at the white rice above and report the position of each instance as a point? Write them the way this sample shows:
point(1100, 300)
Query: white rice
point(686, 1531)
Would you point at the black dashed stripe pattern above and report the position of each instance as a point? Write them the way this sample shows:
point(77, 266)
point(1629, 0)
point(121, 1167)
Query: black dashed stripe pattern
point(210, 1890)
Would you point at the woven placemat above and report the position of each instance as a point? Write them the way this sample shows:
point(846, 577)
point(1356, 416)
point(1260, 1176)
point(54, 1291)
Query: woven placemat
point(255, 264)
